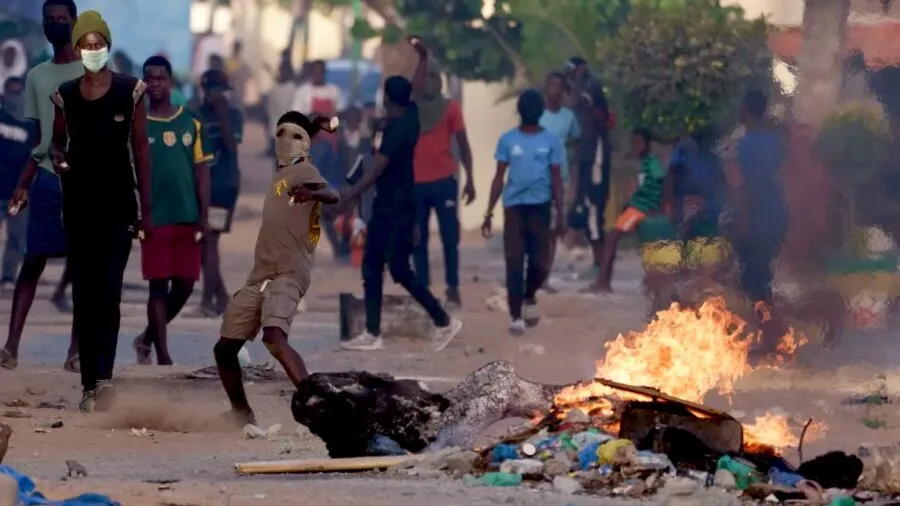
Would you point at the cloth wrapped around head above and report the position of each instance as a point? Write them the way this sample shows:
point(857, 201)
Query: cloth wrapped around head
point(294, 134)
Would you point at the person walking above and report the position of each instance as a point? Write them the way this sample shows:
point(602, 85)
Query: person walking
point(594, 157)
point(100, 148)
point(39, 188)
point(437, 189)
point(390, 232)
point(170, 257)
point(15, 151)
point(529, 160)
point(224, 126)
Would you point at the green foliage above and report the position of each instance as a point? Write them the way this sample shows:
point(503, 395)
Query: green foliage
point(682, 66)
point(555, 30)
point(854, 143)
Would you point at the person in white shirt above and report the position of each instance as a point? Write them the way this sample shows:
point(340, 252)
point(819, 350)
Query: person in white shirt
point(13, 61)
point(315, 96)
point(282, 95)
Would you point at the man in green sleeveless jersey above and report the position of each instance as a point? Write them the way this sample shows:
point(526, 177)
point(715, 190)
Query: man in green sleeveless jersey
point(170, 258)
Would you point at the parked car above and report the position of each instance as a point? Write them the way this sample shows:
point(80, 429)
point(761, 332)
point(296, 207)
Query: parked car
point(340, 73)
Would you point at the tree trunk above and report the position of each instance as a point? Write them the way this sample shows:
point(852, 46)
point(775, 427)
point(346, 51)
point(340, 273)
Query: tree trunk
point(821, 58)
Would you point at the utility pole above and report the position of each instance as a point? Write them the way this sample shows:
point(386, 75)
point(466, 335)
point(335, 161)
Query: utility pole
point(355, 55)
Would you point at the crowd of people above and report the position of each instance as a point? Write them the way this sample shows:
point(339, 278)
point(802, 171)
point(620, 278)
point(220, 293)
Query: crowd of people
point(92, 159)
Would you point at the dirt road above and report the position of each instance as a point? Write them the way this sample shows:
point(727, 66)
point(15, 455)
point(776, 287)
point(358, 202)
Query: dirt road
point(185, 448)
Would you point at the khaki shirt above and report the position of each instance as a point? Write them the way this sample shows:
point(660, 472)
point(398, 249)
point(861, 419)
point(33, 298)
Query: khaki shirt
point(289, 233)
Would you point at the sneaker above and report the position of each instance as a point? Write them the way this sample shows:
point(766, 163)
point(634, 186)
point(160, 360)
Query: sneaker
point(517, 327)
point(531, 313)
point(443, 335)
point(104, 396)
point(364, 342)
point(454, 301)
point(87, 402)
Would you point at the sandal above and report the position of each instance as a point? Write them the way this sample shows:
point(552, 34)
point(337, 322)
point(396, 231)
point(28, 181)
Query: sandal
point(72, 364)
point(142, 351)
point(7, 361)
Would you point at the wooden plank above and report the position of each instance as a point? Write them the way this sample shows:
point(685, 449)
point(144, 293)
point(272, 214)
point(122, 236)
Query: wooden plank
point(657, 395)
point(324, 465)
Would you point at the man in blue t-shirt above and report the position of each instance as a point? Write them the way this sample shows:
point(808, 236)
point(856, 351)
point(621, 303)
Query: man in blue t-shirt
point(16, 142)
point(224, 127)
point(529, 157)
point(762, 210)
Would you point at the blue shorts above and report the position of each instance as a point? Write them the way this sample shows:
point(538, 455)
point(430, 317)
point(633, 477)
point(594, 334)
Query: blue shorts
point(46, 237)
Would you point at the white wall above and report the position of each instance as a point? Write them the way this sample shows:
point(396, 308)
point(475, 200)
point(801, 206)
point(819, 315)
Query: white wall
point(485, 122)
point(779, 12)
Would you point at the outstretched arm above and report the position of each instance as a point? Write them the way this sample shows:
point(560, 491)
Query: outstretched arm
point(314, 192)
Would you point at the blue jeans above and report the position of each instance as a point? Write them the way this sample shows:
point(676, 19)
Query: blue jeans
point(14, 251)
point(442, 196)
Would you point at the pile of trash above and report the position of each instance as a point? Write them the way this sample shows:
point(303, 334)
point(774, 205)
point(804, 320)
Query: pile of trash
point(578, 457)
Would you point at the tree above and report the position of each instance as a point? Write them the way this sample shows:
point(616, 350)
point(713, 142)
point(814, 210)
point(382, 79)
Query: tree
point(821, 56)
point(684, 68)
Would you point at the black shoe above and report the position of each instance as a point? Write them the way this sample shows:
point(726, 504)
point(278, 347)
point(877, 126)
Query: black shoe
point(453, 299)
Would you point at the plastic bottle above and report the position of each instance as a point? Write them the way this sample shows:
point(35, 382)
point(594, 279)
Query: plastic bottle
point(503, 452)
point(496, 480)
point(526, 467)
point(744, 473)
point(787, 479)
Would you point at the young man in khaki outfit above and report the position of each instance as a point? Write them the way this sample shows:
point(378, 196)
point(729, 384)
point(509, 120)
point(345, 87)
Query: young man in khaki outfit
point(283, 261)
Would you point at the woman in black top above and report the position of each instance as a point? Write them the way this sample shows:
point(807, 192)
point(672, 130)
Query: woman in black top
point(100, 148)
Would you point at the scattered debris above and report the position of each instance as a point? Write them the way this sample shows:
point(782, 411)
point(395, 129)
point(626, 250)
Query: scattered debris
point(18, 403)
point(474, 350)
point(163, 481)
point(49, 405)
point(142, 432)
point(16, 413)
point(254, 373)
point(532, 349)
point(253, 432)
point(75, 470)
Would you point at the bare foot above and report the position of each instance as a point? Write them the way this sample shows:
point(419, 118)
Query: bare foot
point(238, 419)
point(7, 361)
point(72, 363)
point(597, 287)
point(141, 350)
point(5, 433)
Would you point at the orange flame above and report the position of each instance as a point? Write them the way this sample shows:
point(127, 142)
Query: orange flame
point(683, 353)
point(774, 430)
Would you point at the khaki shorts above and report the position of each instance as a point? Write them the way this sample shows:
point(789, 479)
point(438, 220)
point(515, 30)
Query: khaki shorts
point(271, 303)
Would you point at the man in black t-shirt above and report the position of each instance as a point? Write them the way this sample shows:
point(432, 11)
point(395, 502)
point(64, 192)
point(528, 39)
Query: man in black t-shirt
point(391, 231)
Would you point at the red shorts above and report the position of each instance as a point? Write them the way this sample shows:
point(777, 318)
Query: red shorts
point(172, 251)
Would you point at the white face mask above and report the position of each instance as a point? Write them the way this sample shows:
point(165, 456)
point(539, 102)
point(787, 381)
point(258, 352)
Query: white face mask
point(95, 60)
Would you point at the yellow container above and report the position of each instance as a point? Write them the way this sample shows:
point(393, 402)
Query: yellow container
point(662, 256)
point(706, 252)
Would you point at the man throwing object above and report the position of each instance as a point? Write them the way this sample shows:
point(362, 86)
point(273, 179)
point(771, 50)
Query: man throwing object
point(283, 260)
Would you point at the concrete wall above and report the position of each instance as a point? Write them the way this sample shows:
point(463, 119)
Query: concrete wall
point(779, 12)
point(485, 122)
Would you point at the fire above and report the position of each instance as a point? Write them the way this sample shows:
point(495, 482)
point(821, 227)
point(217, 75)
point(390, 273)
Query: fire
point(773, 430)
point(682, 352)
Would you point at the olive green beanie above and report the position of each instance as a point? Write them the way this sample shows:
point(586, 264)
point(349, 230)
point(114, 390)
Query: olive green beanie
point(87, 22)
